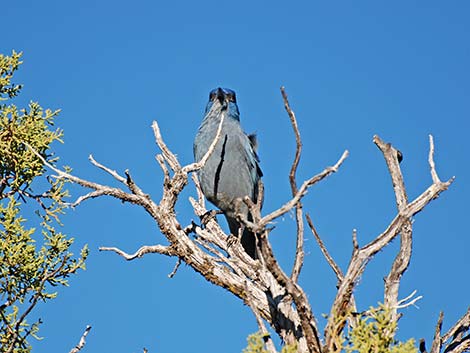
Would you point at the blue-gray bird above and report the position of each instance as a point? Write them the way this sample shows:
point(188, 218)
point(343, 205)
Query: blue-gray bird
point(232, 170)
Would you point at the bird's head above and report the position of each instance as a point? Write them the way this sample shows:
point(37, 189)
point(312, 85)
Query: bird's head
point(223, 99)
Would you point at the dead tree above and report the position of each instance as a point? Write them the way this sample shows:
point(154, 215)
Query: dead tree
point(275, 296)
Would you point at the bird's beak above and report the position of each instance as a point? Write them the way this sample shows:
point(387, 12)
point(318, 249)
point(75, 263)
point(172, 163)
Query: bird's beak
point(220, 95)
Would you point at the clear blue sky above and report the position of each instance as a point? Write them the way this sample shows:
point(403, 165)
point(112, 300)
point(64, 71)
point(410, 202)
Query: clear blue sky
point(351, 69)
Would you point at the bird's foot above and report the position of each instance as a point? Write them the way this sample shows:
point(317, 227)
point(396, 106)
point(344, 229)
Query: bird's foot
point(206, 217)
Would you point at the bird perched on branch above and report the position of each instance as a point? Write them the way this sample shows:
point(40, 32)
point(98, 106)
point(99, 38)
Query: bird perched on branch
point(232, 170)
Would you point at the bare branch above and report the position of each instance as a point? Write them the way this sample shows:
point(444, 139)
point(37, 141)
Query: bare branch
point(147, 249)
point(391, 158)
point(437, 340)
point(90, 195)
point(166, 174)
point(402, 259)
point(273, 296)
point(354, 240)
point(458, 342)
point(299, 248)
point(199, 164)
point(361, 257)
point(329, 259)
point(132, 185)
point(301, 193)
point(262, 328)
point(211, 249)
point(167, 154)
point(459, 346)
point(307, 319)
point(462, 324)
point(200, 194)
point(298, 141)
point(107, 170)
point(105, 190)
point(435, 177)
point(400, 264)
point(177, 265)
point(408, 301)
point(299, 252)
point(82, 341)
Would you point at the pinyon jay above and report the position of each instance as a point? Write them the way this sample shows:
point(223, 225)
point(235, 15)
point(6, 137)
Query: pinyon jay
point(232, 170)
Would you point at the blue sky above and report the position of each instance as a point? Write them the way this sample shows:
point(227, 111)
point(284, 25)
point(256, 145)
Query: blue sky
point(351, 69)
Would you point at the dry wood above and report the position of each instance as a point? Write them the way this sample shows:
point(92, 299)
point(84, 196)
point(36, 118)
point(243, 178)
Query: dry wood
point(82, 341)
point(274, 297)
point(299, 250)
point(362, 256)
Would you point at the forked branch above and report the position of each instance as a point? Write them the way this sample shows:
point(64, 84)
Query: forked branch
point(362, 256)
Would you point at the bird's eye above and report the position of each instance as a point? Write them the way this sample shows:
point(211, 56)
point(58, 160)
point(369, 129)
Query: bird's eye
point(231, 97)
point(212, 96)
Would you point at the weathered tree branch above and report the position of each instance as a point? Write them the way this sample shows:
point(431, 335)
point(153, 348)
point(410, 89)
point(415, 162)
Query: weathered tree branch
point(326, 254)
point(299, 251)
point(454, 338)
point(82, 341)
point(408, 301)
point(274, 297)
point(159, 249)
point(262, 327)
point(300, 193)
point(402, 259)
point(362, 256)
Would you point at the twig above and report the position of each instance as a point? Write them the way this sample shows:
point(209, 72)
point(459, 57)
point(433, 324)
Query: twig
point(132, 185)
point(200, 194)
point(299, 251)
point(437, 340)
point(169, 156)
point(391, 158)
point(408, 301)
point(354, 240)
point(199, 164)
point(166, 174)
point(301, 193)
point(107, 170)
point(175, 269)
point(82, 341)
point(147, 249)
point(105, 190)
point(435, 177)
point(90, 195)
point(326, 254)
point(298, 140)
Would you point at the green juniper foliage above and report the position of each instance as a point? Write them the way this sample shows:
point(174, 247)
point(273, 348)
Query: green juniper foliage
point(373, 332)
point(256, 345)
point(33, 260)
